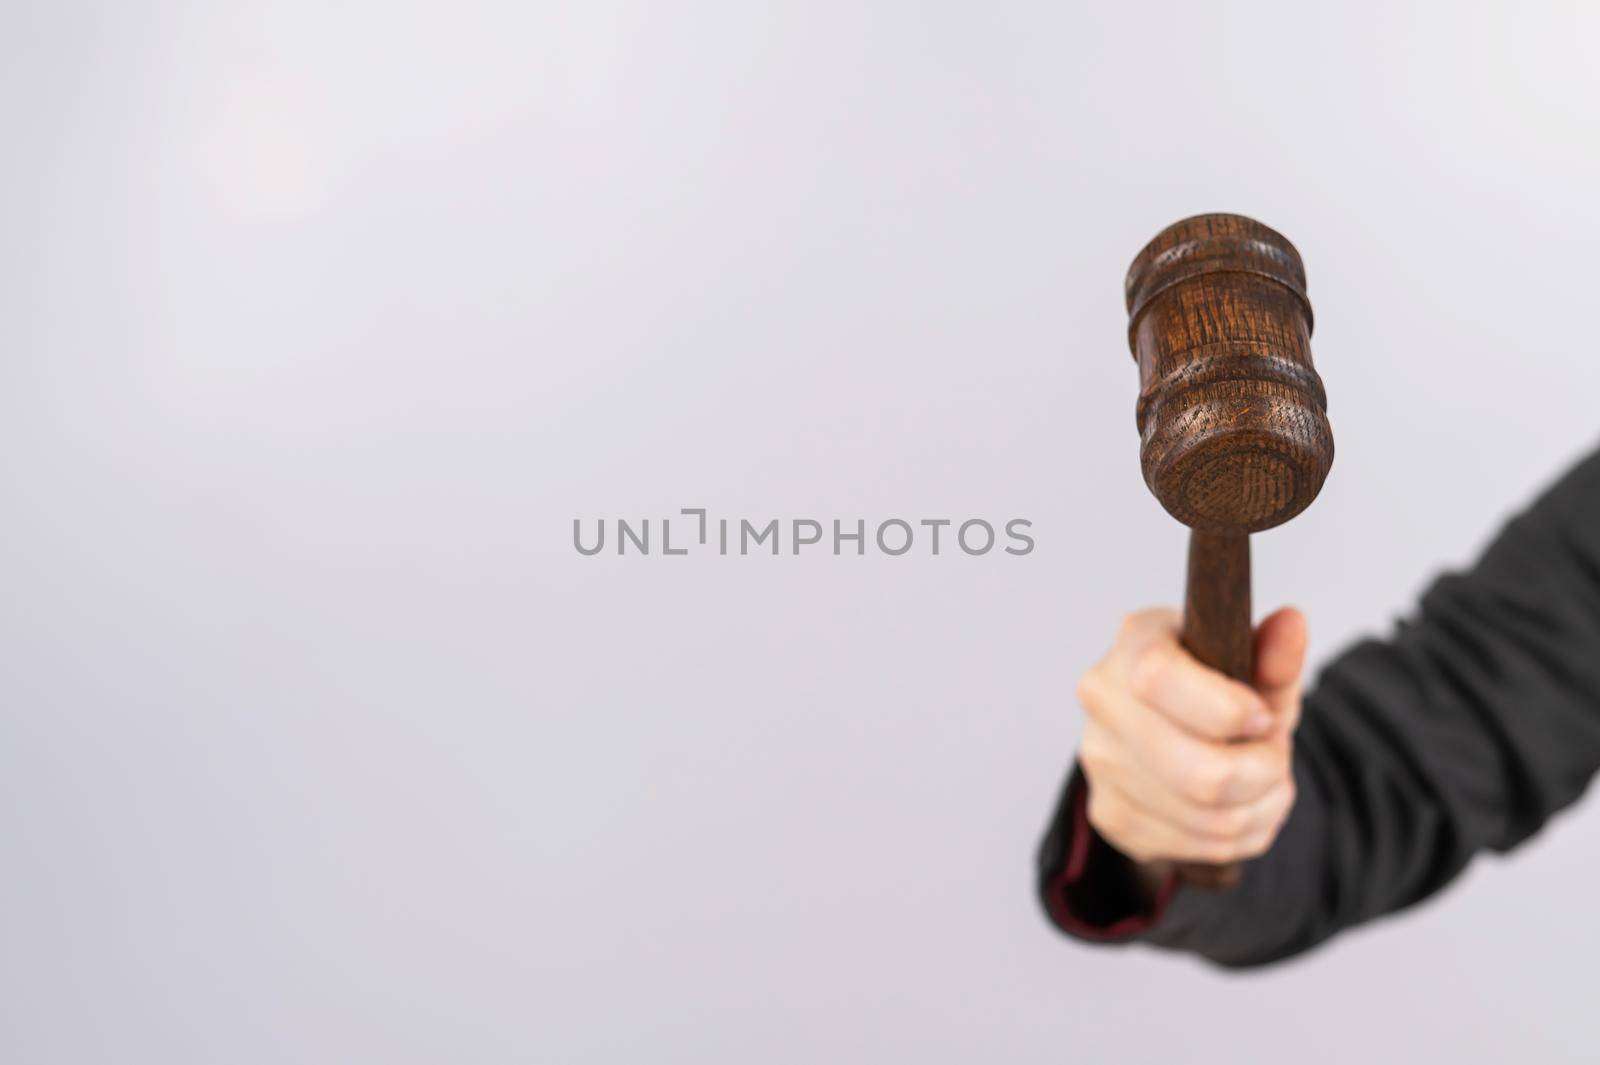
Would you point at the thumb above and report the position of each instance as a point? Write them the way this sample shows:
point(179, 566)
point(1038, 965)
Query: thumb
point(1280, 659)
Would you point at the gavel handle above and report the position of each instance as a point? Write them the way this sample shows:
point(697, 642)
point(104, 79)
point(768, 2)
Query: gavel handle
point(1216, 630)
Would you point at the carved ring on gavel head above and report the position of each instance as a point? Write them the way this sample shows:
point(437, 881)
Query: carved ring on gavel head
point(1232, 417)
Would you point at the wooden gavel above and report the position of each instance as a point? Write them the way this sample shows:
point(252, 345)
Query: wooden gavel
point(1233, 425)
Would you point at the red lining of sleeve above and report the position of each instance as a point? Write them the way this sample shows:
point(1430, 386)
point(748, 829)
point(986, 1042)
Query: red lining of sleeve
point(1058, 900)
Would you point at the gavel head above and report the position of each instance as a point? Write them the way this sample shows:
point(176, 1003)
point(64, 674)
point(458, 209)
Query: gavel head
point(1232, 416)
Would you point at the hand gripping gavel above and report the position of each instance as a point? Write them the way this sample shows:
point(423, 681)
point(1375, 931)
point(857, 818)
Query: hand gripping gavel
point(1234, 434)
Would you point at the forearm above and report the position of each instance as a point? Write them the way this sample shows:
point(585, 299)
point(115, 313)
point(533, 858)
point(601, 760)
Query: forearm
point(1465, 731)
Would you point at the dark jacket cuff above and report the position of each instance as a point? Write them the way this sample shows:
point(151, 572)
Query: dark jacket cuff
point(1088, 887)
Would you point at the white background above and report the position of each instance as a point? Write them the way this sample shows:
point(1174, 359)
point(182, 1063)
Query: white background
point(322, 321)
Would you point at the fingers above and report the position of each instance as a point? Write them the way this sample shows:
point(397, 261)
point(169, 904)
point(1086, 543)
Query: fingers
point(1145, 837)
point(1183, 762)
point(1200, 700)
point(1195, 771)
point(1225, 823)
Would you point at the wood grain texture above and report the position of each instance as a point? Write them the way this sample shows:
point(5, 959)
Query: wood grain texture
point(1216, 603)
point(1217, 631)
point(1232, 417)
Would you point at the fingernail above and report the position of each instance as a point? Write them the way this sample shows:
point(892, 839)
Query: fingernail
point(1258, 723)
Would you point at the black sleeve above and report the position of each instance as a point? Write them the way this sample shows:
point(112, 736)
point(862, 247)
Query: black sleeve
point(1467, 730)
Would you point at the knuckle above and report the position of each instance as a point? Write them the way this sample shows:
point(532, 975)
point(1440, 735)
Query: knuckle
point(1091, 690)
point(1093, 756)
point(1206, 780)
point(1140, 626)
point(1237, 715)
point(1130, 626)
point(1149, 670)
